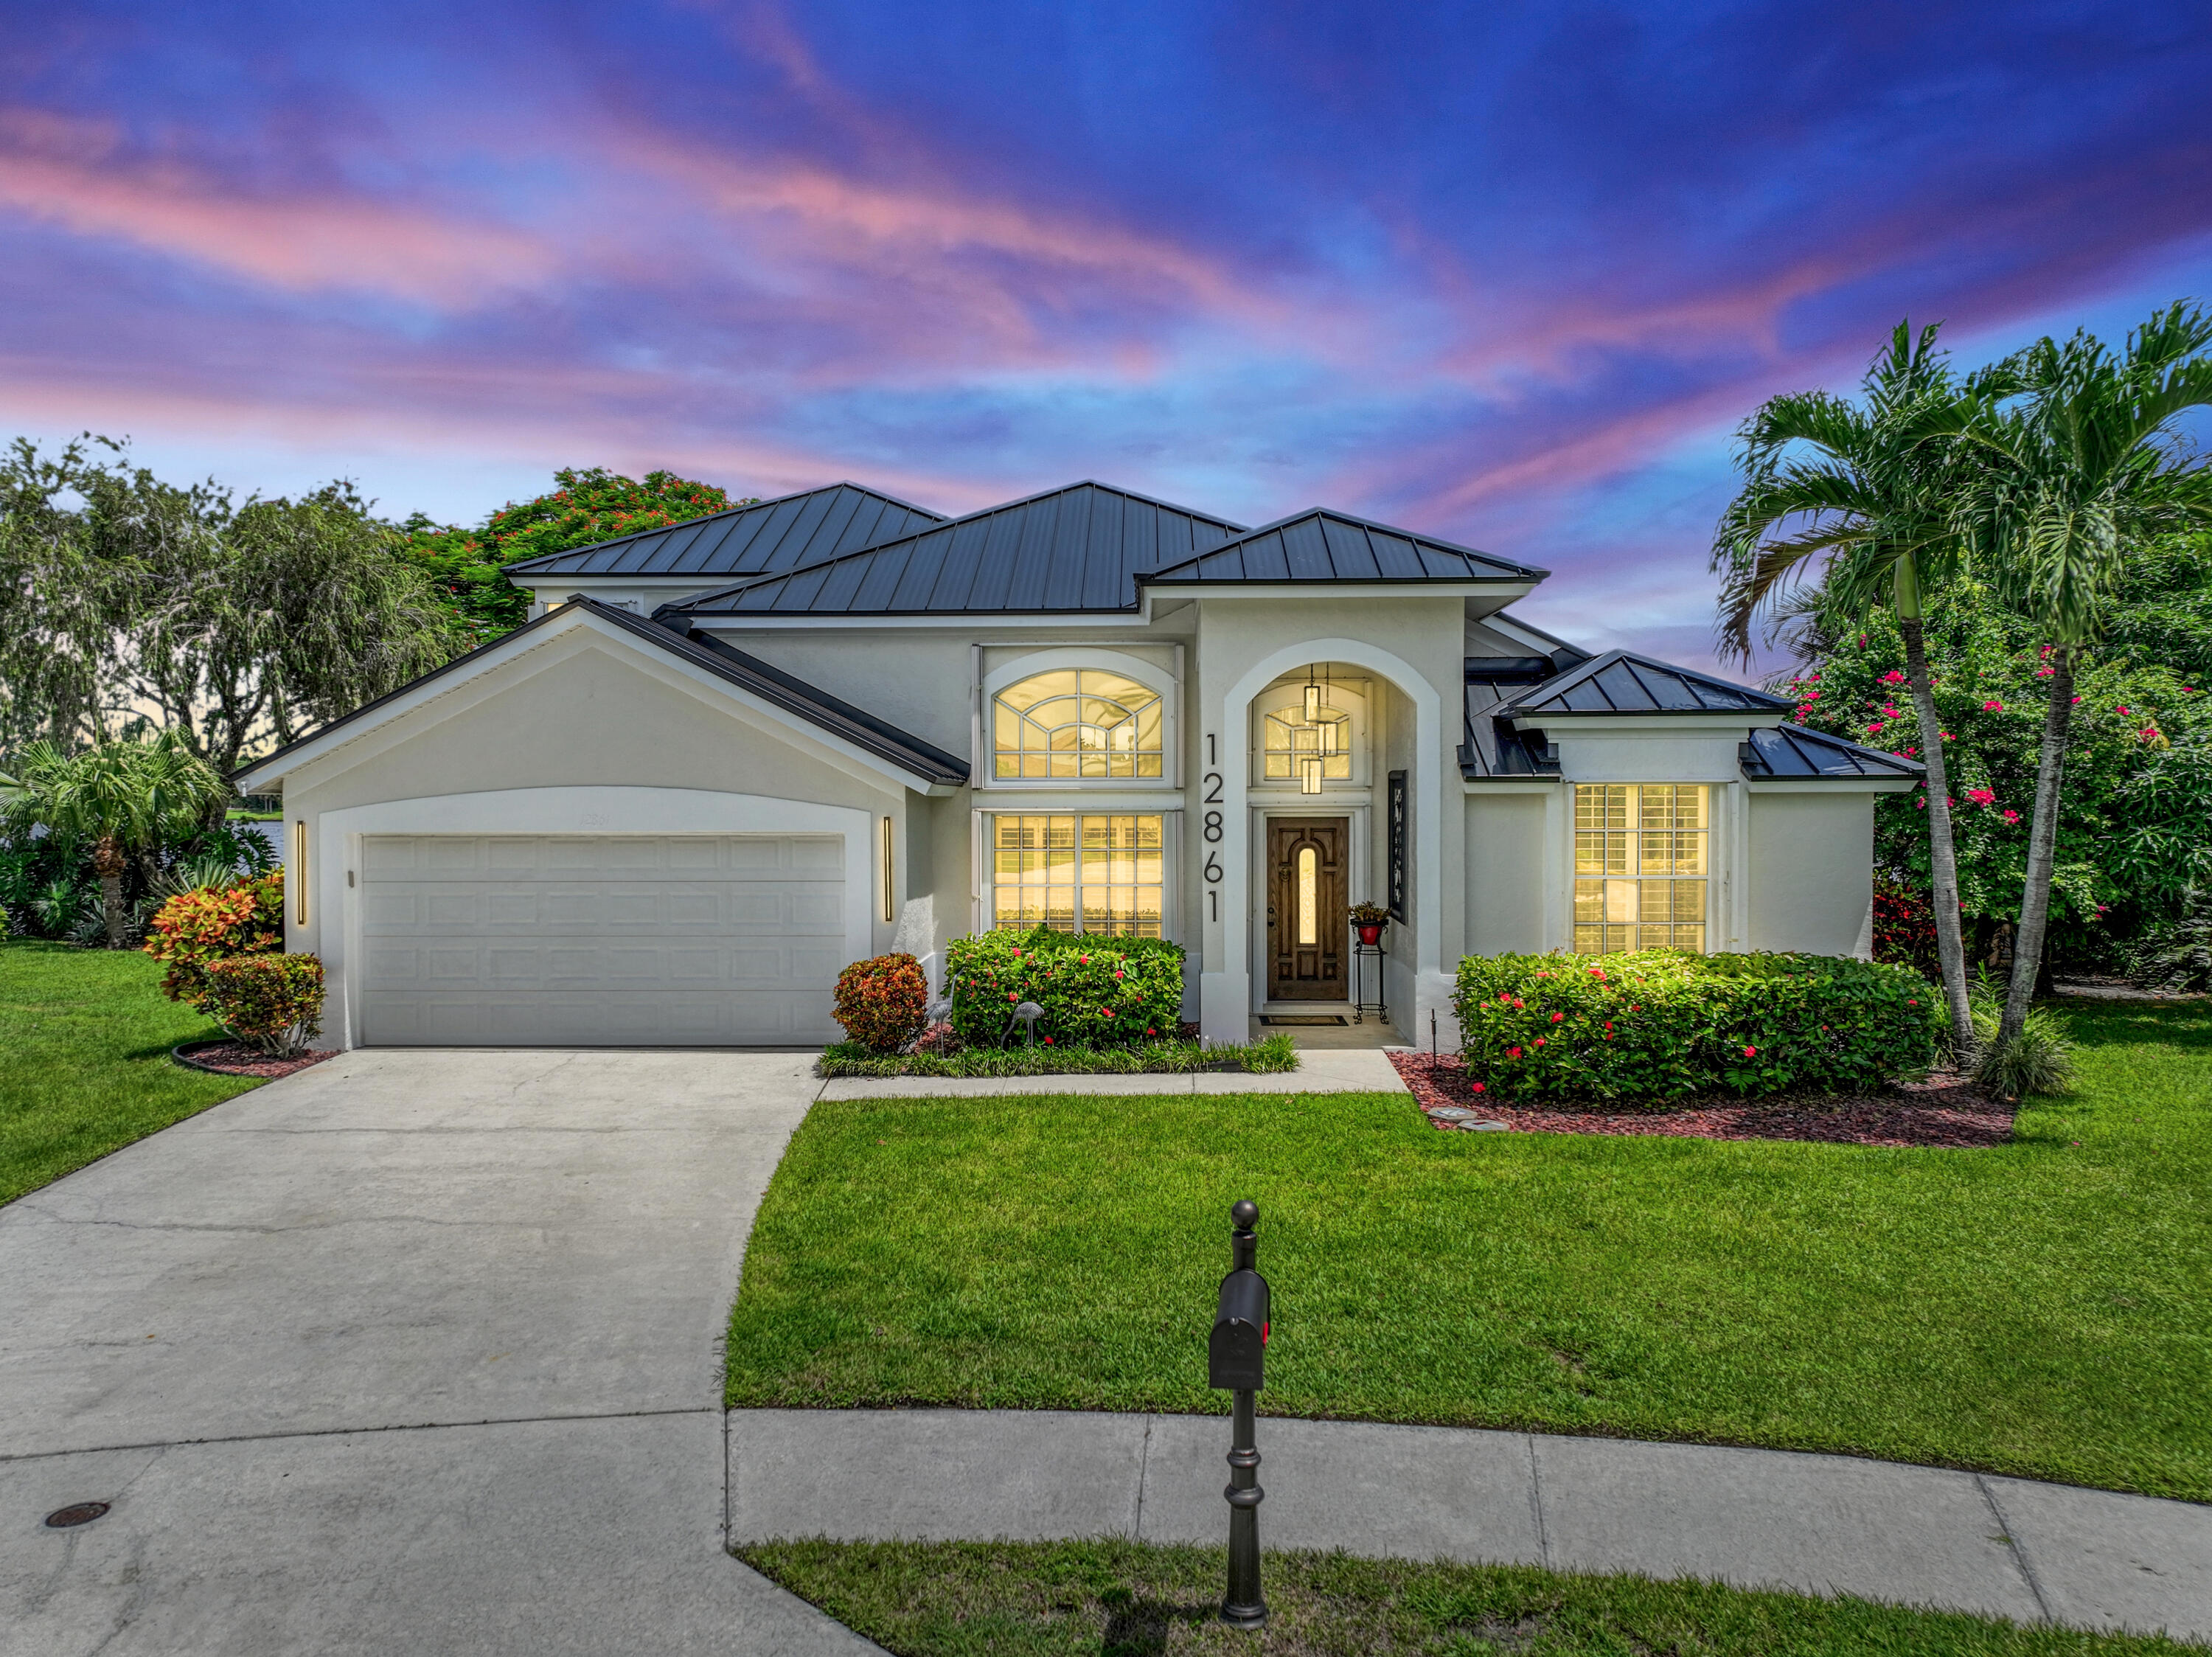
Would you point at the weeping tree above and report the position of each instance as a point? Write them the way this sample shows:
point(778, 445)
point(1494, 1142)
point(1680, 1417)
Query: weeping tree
point(1868, 492)
point(141, 602)
point(57, 601)
point(2078, 471)
point(122, 800)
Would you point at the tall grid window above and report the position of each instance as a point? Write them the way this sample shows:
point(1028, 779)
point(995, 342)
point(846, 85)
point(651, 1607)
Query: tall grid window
point(1640, 866)
point(1286, 738)
point(1075, 724)
point(1077, 873)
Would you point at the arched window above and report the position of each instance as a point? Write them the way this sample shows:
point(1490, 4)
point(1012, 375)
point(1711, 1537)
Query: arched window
point(1076, 722)
point(1289, 737)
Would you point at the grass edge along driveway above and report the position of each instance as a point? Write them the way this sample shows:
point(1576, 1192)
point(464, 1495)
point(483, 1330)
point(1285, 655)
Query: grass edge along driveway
point(86, 1034)
point(2038, 1309)
point(1044, 1600)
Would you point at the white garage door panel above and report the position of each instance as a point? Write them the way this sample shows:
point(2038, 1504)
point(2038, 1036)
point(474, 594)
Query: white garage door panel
point(599, 940)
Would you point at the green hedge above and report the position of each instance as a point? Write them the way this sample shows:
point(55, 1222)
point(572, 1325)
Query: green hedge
point(1269, 1055)
point(1664, 1024)
point(1096, 991)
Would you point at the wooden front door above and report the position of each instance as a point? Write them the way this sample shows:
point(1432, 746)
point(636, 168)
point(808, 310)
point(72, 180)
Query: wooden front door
point(1307, 932)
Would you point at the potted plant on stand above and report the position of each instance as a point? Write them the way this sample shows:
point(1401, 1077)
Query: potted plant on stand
point(1369, 920)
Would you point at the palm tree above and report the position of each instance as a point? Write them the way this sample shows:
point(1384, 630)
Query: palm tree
point(124, 798)
point(1868, 487)
point(2082, 469)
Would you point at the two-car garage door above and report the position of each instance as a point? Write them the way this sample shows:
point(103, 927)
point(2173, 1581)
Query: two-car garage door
point(628, 941)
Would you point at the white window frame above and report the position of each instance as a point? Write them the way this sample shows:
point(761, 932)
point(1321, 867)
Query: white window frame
point(1720, 802)
point(1354, 698)
point(1153, 678)
point(981, 846)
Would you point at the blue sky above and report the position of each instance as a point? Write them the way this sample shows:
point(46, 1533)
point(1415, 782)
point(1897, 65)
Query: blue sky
point(1509, 275)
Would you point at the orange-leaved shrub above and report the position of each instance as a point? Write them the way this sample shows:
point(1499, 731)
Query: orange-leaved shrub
point(196, 928)
point(883, 1002)
point(274, 1002)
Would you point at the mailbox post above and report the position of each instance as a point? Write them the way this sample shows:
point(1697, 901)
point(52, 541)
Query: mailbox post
point(1236, 1363)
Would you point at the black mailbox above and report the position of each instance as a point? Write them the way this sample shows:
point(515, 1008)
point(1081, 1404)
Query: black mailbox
point(1236, 1357)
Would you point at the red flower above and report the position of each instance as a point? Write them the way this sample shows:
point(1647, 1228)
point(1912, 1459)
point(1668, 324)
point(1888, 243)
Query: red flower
point(1048, 1041)
point(1011, 996)
point(1751, 1052)
point(1474, 1086)
point(1557, 1017)
point(1152, 1032)
point(1993, 707)
point(1512, 1052)
point(1540, 1041)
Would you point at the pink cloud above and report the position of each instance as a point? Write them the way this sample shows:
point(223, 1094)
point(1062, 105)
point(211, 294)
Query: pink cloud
point(76, 174)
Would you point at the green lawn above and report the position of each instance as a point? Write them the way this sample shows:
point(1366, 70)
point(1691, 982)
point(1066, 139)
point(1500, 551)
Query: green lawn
point(2044, 1309)
point(1124, 1599)
point(86, 1036)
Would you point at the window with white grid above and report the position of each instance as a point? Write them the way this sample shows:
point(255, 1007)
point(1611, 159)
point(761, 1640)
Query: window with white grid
point(1641, 866)
point(1098, 871)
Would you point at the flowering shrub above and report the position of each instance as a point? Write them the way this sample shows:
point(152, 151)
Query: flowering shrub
point(1666, 1024)
point(882, 1003)
point(194, 929)
point(2138, 780)
point(1096, 991)
point(274, 1002)
point(1904, 926)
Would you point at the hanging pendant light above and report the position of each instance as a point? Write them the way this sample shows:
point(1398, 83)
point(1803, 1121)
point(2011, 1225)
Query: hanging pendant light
point(1329, 736)
point(1309, 773)
point(1313, 699)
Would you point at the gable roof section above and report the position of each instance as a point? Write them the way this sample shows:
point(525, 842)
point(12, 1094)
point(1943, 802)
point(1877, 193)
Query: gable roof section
point(1619, 682)
point(1077, 548)
point(745, 540)
point(928, 765)
point(1321, 545)
point(1793, 751)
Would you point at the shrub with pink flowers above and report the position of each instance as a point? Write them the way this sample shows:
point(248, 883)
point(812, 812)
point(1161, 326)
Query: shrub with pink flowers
point(2138, 785)
point(1096, 990)
point(1666, 1024)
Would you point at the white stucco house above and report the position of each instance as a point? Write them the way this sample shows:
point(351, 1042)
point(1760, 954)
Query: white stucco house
point(725, 757)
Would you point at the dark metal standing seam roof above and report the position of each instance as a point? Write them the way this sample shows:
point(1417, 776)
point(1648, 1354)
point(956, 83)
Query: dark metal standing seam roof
point(1077, 548)
point(1502, 690)
point(745, 540)
point(1795, 751)
point(1321, 545)
point(1621, 683)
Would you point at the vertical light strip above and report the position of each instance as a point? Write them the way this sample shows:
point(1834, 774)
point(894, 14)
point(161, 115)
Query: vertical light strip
point(888, 915)
point(296, 876)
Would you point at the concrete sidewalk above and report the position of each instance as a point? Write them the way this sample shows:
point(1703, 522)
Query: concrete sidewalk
point(1819, 1524)
point(1351, 1070)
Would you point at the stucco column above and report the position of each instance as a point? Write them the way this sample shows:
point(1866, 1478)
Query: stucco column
point(1219, 808)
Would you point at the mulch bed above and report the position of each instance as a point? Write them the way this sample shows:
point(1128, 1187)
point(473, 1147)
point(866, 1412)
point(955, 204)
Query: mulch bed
point(1943, 1111)
point(238, 1059)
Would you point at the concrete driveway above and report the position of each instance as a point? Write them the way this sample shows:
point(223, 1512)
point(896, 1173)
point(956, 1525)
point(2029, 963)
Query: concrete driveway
point(411, 1352)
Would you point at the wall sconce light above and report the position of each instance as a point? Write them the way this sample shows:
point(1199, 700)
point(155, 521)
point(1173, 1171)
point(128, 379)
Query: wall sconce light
point(296, 876)
point(1309, 773)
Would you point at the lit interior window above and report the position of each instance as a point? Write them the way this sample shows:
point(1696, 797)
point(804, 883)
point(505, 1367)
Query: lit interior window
point(1077, 873)
point(1640, 866)
point(1287, 739)
point(1076, 723)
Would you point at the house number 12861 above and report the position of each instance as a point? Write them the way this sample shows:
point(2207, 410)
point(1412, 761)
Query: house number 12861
point(1211, 830)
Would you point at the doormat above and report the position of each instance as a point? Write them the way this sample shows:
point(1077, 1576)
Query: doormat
point(1302, 1018)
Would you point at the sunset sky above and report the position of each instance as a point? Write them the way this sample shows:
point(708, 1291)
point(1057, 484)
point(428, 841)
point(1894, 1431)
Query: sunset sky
point(1507, 274)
